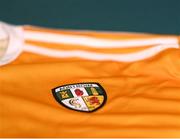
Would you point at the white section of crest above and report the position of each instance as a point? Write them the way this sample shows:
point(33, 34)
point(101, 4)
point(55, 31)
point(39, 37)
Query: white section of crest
point(130, 57)
point(94, 42)
point(15, 44)
point(80, 101)
point(95, 85)
point(82, 89)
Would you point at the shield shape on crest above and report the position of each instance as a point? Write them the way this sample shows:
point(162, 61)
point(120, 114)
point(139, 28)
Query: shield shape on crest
point(84, 97)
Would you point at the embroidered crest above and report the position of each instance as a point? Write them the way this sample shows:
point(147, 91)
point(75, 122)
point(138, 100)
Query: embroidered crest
point(85, 97)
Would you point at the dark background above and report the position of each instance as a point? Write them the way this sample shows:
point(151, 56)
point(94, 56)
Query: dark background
point(154, 16)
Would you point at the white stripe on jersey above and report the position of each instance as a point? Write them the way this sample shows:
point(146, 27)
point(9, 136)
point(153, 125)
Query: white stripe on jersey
point(130, 57)
point(94, 42)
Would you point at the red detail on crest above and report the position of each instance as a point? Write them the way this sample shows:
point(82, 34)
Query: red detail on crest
point(94, 100)
point(78, 92)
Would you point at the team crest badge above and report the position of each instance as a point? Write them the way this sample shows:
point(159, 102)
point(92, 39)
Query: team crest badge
point(85, 97)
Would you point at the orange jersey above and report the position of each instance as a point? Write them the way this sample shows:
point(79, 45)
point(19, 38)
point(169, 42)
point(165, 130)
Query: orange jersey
point(128, 84)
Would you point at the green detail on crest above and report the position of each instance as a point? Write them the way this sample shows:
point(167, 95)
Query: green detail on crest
point(65, 94)
point(94, 91)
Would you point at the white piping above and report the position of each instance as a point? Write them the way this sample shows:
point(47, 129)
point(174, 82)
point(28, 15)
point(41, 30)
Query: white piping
point(99, 56)
point(94, 42)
